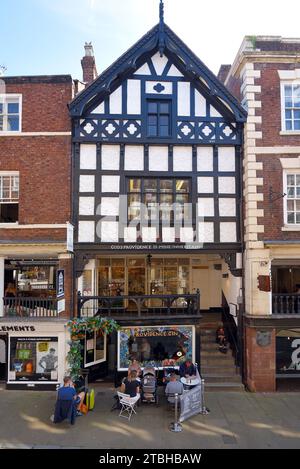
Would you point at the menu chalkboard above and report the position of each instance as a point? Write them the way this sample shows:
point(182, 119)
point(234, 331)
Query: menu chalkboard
point(190, 403)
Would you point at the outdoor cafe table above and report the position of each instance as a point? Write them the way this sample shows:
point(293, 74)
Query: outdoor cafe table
point(190, 381)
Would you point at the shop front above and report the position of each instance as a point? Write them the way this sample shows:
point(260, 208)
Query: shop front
point(159, 346)
point(35, 354)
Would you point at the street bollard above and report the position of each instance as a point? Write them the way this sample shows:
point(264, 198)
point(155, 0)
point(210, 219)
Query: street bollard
point(204, 410)
point(176, 426)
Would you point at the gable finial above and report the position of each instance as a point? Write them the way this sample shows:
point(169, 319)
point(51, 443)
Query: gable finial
point(161, 42)
point(161, 12)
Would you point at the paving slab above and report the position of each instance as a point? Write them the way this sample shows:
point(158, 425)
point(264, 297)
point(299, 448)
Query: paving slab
point(236, 420)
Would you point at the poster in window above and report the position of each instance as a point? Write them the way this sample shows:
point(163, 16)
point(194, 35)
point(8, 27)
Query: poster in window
point(288, 352)
point(33, 359)
point(156, 346)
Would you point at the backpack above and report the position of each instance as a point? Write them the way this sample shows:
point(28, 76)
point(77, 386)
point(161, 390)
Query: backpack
point(90, 399)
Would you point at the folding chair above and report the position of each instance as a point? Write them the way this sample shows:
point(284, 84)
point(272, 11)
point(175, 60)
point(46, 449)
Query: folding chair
point(128, 405)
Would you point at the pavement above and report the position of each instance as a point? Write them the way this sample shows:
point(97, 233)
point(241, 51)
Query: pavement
point(237, 420)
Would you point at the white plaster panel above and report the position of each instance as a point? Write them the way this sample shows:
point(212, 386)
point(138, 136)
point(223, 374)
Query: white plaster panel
point(149, 234)
point(228, 232)
point(226, 158)
point(133, 97)
point(186, 234)
point(134, 158)
point(110, 206)
point(130, 234)
point(110, 157)
point(205, 232)
point(159, 63)
point(183, 98)
point(174, 72)
point(109, 231)
point(110, 183)
point(87, 183)
point(200, 104)
point(227, 207)
point(99, 109)
point(86, 231)
point(158, 158)
point(166, 84)
point(168, 235)
point(143, 70)
point(115, 101)
point(86, 205)
point(227, 185)
point(205, 185)
point(206, 207)
point(205, 158)
point(182, 158)
point(88, 157)
point(214, 112)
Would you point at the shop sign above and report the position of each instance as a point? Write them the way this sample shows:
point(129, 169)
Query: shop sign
point(60, 282)
point(14, 328)
point(288, 353)
point(191, 402)
point(159, 346)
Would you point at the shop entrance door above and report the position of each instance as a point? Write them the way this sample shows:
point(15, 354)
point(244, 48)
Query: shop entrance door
point(3, 357)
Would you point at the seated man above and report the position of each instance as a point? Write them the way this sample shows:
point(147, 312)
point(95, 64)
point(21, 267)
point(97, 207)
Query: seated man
point(173, 387)
point(221, 339)
point(67, 399)
point(187, 369)
point(135, 366)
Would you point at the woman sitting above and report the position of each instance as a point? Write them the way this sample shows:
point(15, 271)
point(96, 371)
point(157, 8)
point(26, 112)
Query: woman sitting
point(131, 385)
point(221, 339)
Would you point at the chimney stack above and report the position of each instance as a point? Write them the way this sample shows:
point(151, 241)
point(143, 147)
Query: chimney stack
point(88, 64)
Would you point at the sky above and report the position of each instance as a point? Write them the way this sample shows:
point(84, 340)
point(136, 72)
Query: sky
point(40, 37)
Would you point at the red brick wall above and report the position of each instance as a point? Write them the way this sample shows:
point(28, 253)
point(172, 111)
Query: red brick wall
point(271, 105)
point(273, 219)
point(44, 106)
point(261, 363)
point(44, 164)
point(34, 234)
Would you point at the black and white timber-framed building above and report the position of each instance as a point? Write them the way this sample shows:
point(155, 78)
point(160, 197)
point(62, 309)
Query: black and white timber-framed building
point(156, 197)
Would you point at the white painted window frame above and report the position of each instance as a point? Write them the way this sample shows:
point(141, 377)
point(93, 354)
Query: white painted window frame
point(285, 173)
point(102, 360)
point(4, 98)
point(283, 83)
point(10, 173)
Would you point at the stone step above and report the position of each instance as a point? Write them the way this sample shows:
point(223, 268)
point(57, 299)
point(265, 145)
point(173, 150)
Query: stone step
point(214, 361)
point(209, 346)
point(219, 370)
point(221, 378)
point(215, 353)
point(228, 387)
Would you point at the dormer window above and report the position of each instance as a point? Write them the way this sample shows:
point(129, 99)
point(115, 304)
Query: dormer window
point(158, 118)
point(10, 113)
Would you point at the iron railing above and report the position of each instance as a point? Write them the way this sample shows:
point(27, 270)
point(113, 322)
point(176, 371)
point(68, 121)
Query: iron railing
point(30, 307)
point(231, 333)
point(139, 305)
point(285, 303)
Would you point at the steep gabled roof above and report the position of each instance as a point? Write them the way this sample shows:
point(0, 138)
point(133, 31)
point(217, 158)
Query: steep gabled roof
point(171, 45)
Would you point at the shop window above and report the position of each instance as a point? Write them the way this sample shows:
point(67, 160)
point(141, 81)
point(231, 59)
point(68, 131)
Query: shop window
point(37, 280)
point(111, 277)
point(159, 346)
point(293, 199)
point(10, 113)
point(288, 353)
point(291, 106)
point(33, 359)
point(9, 198)
point(95, 348)
point(158, 199)
point(158, 118)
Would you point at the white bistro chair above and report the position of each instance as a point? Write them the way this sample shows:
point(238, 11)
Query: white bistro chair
point(128, 404)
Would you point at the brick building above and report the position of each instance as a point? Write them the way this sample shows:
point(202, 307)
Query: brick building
point(36, 265)
point(266, 77)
